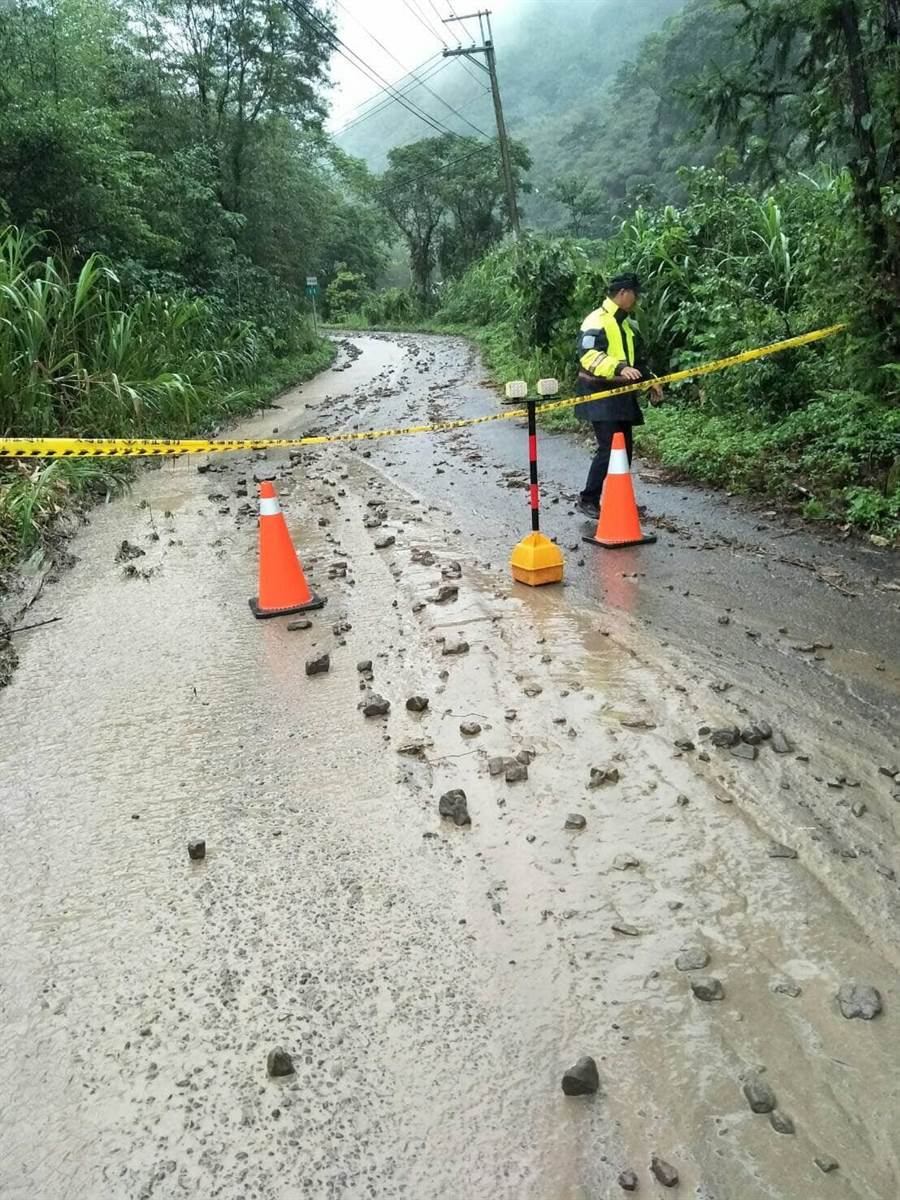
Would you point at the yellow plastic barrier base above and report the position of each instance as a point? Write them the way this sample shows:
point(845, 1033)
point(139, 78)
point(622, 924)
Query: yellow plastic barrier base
point(537, 560)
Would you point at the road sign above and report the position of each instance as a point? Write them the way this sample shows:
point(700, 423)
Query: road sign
point(312, 285)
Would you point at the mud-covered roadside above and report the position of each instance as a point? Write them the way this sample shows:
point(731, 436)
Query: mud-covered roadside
point(431, 981)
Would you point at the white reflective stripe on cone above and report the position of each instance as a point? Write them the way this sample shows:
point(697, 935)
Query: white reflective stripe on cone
point(618, 463)
point(268, 506)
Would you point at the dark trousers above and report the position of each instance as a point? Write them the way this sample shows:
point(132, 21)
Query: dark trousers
point(604, 431)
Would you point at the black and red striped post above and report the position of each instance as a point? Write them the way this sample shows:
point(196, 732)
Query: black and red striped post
point(535, 559)
point(532, 465)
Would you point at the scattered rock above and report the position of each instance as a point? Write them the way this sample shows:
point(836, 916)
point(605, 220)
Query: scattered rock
point(364, 666)
point(780, 744)
point(826, 1163)
point(785, 987)
point(516, 772)
point(575, 821)
point(682, 800)
point(499, 764)
point(859, 808)
point(602, 775)
point(725, 737)
point(778, 850)
point(197, 848)
point(759, 1094)
point(532, 689)
point(781, 1122)
point(752, 735)
point(279, 1063)
point(859, 1000)
point(375, 706)
point(469, 728)
point(664, 1171)
point(692, 958)
point(453, 804)
point(622, 862)
point(318, 666)
point(707, 987)
point(582, 1079)
point(526, 756)
point(624, 927)
point(628, 1181)
point(447, 591)
point(684, 744)
point(127, 551)
point(300, 623)
point(455, 646)
point(417, 703)
point(415, 748)
point(743, 750)
point(383, 542)
point(637, 723)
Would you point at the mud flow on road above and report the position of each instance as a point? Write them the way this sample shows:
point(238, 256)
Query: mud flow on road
point(684, 912)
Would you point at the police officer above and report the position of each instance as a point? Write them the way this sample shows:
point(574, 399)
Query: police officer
point(610, 356)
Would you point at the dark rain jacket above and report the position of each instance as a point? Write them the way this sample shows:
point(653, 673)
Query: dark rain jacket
point(607, 342)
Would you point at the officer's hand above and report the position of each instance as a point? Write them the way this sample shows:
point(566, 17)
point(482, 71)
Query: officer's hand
point(632, 374)
point(656, 395)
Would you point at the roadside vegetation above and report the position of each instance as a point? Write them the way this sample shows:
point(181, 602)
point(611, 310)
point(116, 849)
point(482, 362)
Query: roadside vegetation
point(165, 188)
point(783, 217)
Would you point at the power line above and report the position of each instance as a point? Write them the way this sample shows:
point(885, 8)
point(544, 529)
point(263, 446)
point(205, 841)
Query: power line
point(430, 174)
point(320, 27)
point(386, 101)
point(428, 89)
point(377, 98)
point(465, 64)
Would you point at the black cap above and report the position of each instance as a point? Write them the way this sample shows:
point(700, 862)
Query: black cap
point(626, 282)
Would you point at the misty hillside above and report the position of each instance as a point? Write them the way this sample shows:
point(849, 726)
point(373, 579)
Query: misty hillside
point(557, 63)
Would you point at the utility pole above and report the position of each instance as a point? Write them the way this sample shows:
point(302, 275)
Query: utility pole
point(487, 49)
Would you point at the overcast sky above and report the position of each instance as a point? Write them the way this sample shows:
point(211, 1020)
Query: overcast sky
point(408, 31)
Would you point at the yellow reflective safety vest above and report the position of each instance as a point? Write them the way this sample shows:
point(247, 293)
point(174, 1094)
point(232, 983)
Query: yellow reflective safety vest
point(607, 342)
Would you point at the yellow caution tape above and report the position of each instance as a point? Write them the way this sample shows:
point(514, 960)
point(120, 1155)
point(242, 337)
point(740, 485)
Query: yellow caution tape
point(17, 447)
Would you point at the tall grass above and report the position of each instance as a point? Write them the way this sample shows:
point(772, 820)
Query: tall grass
point(77, 358)
point(80, 358)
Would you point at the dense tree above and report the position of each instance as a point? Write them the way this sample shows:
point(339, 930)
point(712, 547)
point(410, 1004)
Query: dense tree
point(445, 195)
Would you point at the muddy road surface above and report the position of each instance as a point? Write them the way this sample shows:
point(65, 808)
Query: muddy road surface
point(685, 913)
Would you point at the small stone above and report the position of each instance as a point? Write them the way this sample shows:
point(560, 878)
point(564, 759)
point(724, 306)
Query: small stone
point(453, 804)
point(417, 703)
point(781, 1122)
point(383, 542)
point(469, 728)
point(128, 551)
point(743, 750)
point(582, 1079)
point(279, 1063)
point(318, 666)
point(623, 862)
point(516, 772)
point(759, 1094)
point(682, 800)
point(859, 1000)
point(455, 646)
point(575, 821)
point(375, 706)
point(725, 737)
point(692, 958)
point(707, 987)
point(301, 623)
point(624, 927)
point(684, 744)
point(752, 735)
point(602, 775)
point(764, 728)
point(532, 689)
point(445, 593)
point(664, 1172)
point(364, 666)
point(778, 850)
point(859, 808)
point(628, 1181)
point(498, 765)
point(197, 849)
point(890, 770)
point(723, 620)
point(785, 987)
point(826, 1163)
point(780, 744)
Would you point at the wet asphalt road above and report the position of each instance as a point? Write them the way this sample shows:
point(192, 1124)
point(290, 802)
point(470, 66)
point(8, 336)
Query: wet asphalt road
point(433, 982)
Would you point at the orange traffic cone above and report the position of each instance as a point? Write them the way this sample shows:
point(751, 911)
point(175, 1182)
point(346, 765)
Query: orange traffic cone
point(619, 524)
point(282, 585)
